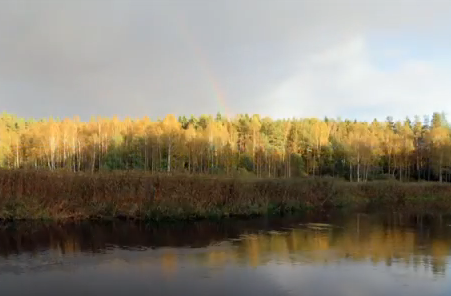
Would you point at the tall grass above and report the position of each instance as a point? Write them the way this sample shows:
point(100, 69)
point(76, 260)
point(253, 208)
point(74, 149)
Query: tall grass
point(58, 195)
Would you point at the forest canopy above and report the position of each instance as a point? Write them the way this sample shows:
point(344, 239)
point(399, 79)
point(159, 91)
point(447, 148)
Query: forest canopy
point(244, 145)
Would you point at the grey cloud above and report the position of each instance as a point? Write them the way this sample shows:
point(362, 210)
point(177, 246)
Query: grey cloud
point(63, 57)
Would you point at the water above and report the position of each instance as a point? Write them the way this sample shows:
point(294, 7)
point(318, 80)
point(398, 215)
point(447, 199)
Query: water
point(347, 254)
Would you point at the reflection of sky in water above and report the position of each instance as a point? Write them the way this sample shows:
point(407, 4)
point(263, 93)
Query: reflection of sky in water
point(364, 258)
point(115, 276)
point(349, 279)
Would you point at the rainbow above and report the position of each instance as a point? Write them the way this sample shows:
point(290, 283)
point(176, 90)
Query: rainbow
point(218, 92)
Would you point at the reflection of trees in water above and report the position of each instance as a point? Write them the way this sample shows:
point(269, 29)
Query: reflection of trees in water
point(373, 238)
point(377, 243)
point(169, 263)
point(97, 237)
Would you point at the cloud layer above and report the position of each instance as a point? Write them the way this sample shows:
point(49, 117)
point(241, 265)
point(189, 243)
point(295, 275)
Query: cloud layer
point(287, 58)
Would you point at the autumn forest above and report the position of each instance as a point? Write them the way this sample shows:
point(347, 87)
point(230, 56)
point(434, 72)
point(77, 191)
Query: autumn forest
point(245, 145)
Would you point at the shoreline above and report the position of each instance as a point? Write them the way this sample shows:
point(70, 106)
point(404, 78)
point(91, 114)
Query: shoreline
point(42, 195)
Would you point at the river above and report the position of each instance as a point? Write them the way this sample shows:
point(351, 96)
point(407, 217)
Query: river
point(318, 254)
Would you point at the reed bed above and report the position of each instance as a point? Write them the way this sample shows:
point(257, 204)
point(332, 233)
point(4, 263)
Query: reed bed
point(33, 194)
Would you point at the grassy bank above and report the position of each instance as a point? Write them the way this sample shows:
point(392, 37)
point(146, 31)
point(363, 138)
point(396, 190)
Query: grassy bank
point(47, 195)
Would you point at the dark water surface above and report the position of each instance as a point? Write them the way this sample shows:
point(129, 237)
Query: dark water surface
point(351, 254)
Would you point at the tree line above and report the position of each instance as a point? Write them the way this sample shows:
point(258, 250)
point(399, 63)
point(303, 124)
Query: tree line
point(244, 145)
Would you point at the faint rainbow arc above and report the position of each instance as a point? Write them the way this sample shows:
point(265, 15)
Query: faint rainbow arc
point(219, 93)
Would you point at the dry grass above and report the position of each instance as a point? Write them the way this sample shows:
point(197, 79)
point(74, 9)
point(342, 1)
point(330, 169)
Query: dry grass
point(58, 195)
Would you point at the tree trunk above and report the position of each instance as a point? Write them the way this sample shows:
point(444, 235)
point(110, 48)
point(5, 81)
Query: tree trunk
point(100, 142)
point(189, 161)
point(17, 154)
point(350, 172)
point(418, 168)
point(366, 172)
point(269, 168)
point(274, 169)
point(440, 177)
point(201, 161)
point(358, 167)
point(79, 155)
point(169, 157)
point(289, 165)
point(64, 152)
point(159, 157)
point(253, 150)
point(389, 163)
point(93, 159)
point(151, 160)
point(400, 172)
point(145, 154)
point(394, 167)
point(74, 158)
point(318, 157)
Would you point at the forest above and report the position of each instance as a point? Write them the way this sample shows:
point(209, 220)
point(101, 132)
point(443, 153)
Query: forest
point(408, 150)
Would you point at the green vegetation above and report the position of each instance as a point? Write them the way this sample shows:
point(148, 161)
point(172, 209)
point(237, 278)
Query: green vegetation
point(215, 167)
point(58, 195)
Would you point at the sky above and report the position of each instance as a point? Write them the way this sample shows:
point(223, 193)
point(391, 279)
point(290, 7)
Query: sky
point(356, 59)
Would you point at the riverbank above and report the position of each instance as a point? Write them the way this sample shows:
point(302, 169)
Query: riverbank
point(138, 195)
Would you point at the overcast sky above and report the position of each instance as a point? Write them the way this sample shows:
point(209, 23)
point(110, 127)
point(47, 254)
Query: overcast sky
point(350, 58)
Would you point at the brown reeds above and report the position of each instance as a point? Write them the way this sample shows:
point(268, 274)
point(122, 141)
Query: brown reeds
point(54, 195)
